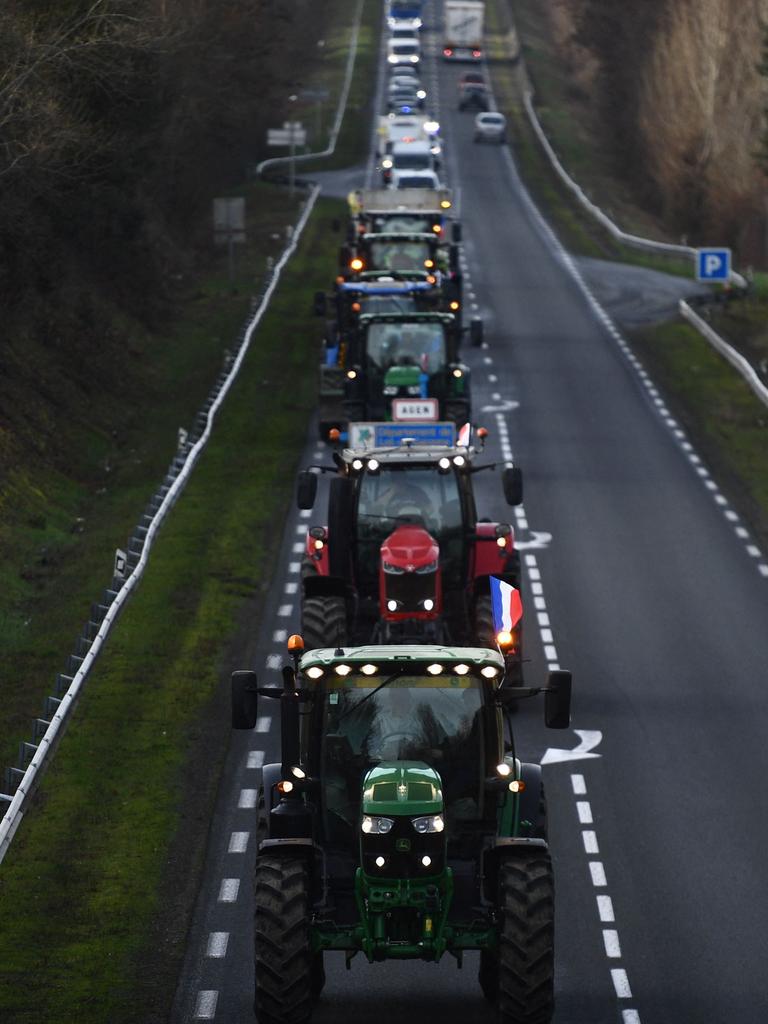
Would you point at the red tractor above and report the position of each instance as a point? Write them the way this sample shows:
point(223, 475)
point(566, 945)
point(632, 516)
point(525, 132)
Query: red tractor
point(403, 558)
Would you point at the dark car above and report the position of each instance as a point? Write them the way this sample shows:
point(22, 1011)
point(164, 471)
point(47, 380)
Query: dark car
point(474, 96)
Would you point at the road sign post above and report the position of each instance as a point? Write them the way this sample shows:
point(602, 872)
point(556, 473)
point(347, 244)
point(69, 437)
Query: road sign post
point(713, 265)
point(229, 227)
point(292, 134)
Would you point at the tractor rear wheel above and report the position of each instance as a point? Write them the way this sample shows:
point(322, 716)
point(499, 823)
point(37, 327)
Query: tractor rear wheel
point(526, 962)
point(323, 622)
point(282, 953)
point(485, 634)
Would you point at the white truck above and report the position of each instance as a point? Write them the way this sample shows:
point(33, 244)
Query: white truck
point(463, 36)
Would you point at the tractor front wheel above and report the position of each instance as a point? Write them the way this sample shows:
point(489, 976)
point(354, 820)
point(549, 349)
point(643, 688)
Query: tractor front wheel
point(284, 965)
point(323, 622)
point(526, 962)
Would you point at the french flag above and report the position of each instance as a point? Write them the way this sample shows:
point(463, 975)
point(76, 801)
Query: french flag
point(507, 605)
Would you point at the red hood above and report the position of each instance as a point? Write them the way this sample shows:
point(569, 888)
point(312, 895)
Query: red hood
point(410, 547)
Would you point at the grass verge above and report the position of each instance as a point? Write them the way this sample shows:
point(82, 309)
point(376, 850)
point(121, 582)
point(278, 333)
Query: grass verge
point(85, 882)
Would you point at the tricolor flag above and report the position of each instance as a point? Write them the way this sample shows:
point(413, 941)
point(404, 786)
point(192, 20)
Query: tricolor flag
point(507, 605)
point(463, 439)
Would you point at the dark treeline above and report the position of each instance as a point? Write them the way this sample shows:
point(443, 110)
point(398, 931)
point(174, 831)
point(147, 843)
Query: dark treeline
point(119, 119)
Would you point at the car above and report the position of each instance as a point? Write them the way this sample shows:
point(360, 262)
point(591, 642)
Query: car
point(474, 97)
point(403, 71)
point(471, 78)
point(407, 82)
point(402, 32)
point(414, 179)
point(403, 101)
point(490, 127)
point(412, 24)
point(403, 51)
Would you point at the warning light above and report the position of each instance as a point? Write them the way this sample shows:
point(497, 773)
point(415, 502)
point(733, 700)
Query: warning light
point(356, 263)
point(295, 642)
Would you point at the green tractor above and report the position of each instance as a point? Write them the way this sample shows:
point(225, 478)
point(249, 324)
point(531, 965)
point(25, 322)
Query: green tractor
point(401, 824)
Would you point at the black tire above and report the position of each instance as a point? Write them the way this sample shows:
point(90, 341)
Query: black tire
point(323, 622)
point(526, 960)
point(282, 953)
point(485, 634)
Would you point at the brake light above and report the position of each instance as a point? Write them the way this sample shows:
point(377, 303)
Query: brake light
point(447, 52)
point(477, 53)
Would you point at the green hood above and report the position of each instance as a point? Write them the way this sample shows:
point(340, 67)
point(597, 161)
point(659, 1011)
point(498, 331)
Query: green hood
point(402, 788)
point(402, 376)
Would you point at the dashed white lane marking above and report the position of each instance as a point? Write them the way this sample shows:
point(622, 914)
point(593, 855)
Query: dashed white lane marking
point(291, 588)
point(205, 1007)
point(228, 890)
point(285, 610)
point(263, 723)
point(247, 799)
point(605, 909)
point(301, 529)
point(597, 871)
point(487, 360)
point(255, 759)
point(273, 661)
point(629, 1016)
point(217, 944)
point(623, 991)
point(591, 846)
point(611, 942)
point(584, 811)
point(238, 842)
point(305, 513)
point(577, 781)
point(298, 548)
point(280, 636)
point(294, 567)
point(492, 378)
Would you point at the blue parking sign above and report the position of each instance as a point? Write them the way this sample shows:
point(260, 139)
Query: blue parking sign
point(713, 265)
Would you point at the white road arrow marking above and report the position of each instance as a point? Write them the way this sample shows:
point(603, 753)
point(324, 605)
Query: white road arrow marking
point(506, 405)
point(538, 541)
point(588, 740)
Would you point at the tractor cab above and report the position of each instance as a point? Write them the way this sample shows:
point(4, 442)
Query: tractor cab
point(399, 822)
point(408, 356)
point(404, 251)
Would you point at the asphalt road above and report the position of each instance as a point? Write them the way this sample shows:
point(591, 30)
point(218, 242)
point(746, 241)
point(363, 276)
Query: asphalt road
point(640, 579)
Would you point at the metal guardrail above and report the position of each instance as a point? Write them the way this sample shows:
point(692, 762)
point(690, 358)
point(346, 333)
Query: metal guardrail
point(735, 358)
point(104, 614)
point(634, 241)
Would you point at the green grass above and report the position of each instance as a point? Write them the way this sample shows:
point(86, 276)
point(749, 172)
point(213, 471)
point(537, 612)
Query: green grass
point(717, 407)
point(83, 885)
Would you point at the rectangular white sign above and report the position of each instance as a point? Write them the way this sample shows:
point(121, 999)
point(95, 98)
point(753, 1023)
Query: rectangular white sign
point(407, 410)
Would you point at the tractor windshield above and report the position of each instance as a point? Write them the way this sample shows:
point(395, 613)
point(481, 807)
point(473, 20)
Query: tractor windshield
point(398, 255)
point(388, 304)
point(401, 493)
point(435, 719)
point(407, 344)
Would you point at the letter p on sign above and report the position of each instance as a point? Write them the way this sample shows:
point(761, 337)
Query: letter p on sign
point(713, 265)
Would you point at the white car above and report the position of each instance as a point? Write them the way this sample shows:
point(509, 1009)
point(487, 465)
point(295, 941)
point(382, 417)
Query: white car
point(490, 127)
point(403, 51)
point(414, 179)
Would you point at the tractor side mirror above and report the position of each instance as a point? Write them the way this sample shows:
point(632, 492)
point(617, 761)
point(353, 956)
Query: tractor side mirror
point(456, 232)
point(557, 700)
point(320, 304)
point(306, 489)
point(245, 699)
point(512, 482)
point(476, 332)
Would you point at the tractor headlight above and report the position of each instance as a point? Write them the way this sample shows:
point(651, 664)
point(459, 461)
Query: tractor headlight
point(396, 570)
point(376, 826)
point(429, 823)
point(429, 567)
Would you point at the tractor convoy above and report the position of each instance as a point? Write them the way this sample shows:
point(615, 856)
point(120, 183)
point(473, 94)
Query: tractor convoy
point(398, 821)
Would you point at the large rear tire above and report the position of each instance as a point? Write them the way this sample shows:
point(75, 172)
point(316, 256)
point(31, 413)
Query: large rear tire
point(323, 622)
point(527, 941)
point(282, 953)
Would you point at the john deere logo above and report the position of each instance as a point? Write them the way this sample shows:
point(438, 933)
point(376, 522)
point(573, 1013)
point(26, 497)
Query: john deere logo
point(403, 845)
